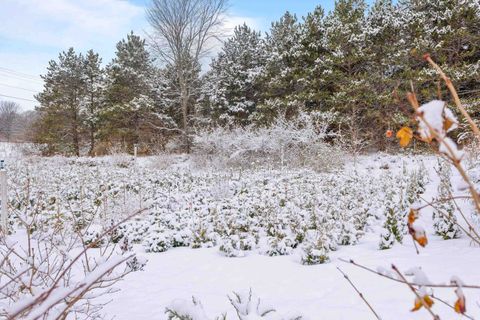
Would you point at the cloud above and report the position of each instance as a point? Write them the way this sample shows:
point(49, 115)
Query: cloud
point(32, 32)
point(63, 23)
point(231, 21)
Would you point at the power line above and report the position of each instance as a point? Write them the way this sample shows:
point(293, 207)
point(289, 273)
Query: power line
point(18, 98)
point(6, 74)
point(20, 88)
point(19, 73)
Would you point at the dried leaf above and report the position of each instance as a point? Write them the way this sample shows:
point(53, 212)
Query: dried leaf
point(419, 303)
point(412, 216)
point(405, 135)
point(447, 124)
point(460, 305)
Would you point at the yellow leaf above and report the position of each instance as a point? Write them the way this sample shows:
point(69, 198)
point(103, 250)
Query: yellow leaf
point(460, 306)
point(419, 303)
point(405, 135)
point(447, 124)
point(422, 240)
point(412, 216)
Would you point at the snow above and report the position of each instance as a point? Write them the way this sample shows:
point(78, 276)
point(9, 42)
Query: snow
point(169, 276)
point(313, 291)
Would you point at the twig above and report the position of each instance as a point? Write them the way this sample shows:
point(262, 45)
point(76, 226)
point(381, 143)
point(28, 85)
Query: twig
point(407, 282)
point(456, 99)
point(359, 293)
point(435, 317)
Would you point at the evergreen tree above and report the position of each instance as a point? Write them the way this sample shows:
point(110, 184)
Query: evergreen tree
point(281, 82)
point(444, 220)
point(233, 81)
point(346, 76)
point(60, 112)
point(94, 96)
point(130, 92)
point(311, 52)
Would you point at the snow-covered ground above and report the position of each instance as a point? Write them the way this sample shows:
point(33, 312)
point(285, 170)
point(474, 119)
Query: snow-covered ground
point(208, 234)
point(316, 292)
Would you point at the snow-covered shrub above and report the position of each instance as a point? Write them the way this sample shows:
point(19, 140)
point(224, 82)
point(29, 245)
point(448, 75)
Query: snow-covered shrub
point(277, 246)
point(137, 263)
point(188, 310)
point(157, 242)
point(299, 142)
point(444, 220)
point(249, 306)
point(236, 245)
point(60, 263)
point(267, 210)
point(315, 248)
point(93, 234)
point(392, 228)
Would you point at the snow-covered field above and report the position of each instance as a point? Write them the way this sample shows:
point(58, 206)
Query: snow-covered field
point(278, 233)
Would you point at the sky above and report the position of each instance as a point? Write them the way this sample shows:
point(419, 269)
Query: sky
point(33, 32)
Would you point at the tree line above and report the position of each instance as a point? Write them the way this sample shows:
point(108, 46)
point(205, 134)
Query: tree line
point(355, 61)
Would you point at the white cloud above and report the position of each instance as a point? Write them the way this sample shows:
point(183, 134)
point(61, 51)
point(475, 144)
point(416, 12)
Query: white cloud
point(230, 22)
point(62, 23)
point(35, 31)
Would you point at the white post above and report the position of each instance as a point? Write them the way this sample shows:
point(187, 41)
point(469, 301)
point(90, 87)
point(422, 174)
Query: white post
point(3, 197)
point(135, 150)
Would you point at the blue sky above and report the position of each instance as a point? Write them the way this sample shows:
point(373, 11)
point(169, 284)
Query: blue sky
point(32, 32)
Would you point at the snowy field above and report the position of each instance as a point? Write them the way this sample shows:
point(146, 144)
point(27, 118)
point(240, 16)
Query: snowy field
point(278, 233)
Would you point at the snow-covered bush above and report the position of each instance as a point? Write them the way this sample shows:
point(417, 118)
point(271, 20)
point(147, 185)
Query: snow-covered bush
point(54, 270)
point(299, 142)
point(273, 212)
point(316, 248)
point(246, 305)
point(188, 310)
point(444, 219)
point(157, 242)
point(249, 306)
point(236, 245)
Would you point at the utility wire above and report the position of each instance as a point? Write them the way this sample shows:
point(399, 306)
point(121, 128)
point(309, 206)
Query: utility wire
point(20, 88)
point(18, 98)
point(6, 74)
point(19, 73)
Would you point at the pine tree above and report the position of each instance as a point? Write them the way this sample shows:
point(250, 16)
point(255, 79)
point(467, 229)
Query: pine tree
point(444, 220)
point(310, 54)
point(281, 81)
point(60, 112)
point(386, 51)
point(346, 77)
point(232, 82)
point(394, 226)
point(130, 92)
point(94, 96)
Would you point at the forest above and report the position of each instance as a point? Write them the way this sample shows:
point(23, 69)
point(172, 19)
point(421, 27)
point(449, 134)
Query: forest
point(353, 64)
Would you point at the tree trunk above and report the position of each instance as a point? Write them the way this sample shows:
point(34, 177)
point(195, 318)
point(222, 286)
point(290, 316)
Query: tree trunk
point(92, 140)
point(184, 104)
point(75, 135)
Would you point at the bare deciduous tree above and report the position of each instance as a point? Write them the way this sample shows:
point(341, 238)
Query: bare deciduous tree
point(9, 115)
point(182, 31)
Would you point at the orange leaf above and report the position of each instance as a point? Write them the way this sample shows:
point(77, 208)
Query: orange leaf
point(425, 301)
point(422, 240)
point(460, 305)
point(412, 216)
point(405, 135)
point(447, 124)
